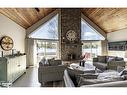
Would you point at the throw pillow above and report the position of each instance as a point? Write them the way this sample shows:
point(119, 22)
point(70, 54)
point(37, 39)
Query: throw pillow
point(110, 59)
point(118, 59)
point(43, 60)
point(56, 63)
point(51, 61)
point(46, 63)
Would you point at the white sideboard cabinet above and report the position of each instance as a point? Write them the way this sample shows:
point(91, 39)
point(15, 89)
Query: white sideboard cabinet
point(12, 68)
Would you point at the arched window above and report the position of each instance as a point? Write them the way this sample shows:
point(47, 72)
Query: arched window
point(47, 39)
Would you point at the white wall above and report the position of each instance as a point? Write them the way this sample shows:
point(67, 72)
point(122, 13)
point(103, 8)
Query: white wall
point(120, 35)
point(16, 32)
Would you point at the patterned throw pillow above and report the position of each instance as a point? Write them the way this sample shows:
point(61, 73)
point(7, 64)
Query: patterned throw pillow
point(44, 62)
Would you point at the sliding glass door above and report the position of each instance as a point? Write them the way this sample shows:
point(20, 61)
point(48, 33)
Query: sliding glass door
point(48, 49)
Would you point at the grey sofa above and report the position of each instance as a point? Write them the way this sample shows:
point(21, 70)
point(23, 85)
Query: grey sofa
point(110, 84)
point(50, 70)
point(69, 82)
point(108, 62)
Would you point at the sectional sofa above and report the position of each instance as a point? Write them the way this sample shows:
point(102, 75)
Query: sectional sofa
point(108, 62)
point(116, 83)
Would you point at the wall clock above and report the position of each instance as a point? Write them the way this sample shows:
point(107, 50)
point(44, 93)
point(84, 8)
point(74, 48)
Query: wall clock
point(6, 43)
point(71, 35)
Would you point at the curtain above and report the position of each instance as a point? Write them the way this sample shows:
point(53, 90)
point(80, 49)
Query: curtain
point(31, 52)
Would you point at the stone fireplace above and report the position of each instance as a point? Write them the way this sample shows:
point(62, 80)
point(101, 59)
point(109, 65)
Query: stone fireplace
point(70, 20)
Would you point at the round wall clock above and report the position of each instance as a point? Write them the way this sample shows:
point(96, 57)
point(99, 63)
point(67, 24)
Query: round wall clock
point(71, 35)
point(6, 43)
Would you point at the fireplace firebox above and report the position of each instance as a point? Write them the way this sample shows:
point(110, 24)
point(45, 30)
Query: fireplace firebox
point(71, 56)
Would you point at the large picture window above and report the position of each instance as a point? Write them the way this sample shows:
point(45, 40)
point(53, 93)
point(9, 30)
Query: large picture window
point(91, 40)
point(47, 49)
point(91, 49)
point(47, 39)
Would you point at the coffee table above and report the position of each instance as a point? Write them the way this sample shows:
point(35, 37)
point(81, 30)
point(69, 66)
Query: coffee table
point(87, 69)
point(70, 62)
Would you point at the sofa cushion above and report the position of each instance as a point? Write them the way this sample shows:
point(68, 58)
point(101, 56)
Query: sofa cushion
point(89, 75)
point(101, 66)
point(57, 62)
point(102, 59)
point(84, 81)
point(54, 62)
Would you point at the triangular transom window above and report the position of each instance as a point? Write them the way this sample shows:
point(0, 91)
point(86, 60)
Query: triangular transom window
point(49, 30)
point(88, 32)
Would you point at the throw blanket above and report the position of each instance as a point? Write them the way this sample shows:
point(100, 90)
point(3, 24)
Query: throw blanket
point(110, 75)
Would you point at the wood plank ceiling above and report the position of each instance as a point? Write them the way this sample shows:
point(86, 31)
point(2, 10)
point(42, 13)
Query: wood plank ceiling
point(108, 19)
point(25, 17)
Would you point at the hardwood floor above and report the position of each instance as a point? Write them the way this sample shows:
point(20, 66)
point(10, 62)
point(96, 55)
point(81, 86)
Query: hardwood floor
point(54, 84)
point(30, 79)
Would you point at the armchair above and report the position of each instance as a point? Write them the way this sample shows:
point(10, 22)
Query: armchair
point(51, 72)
